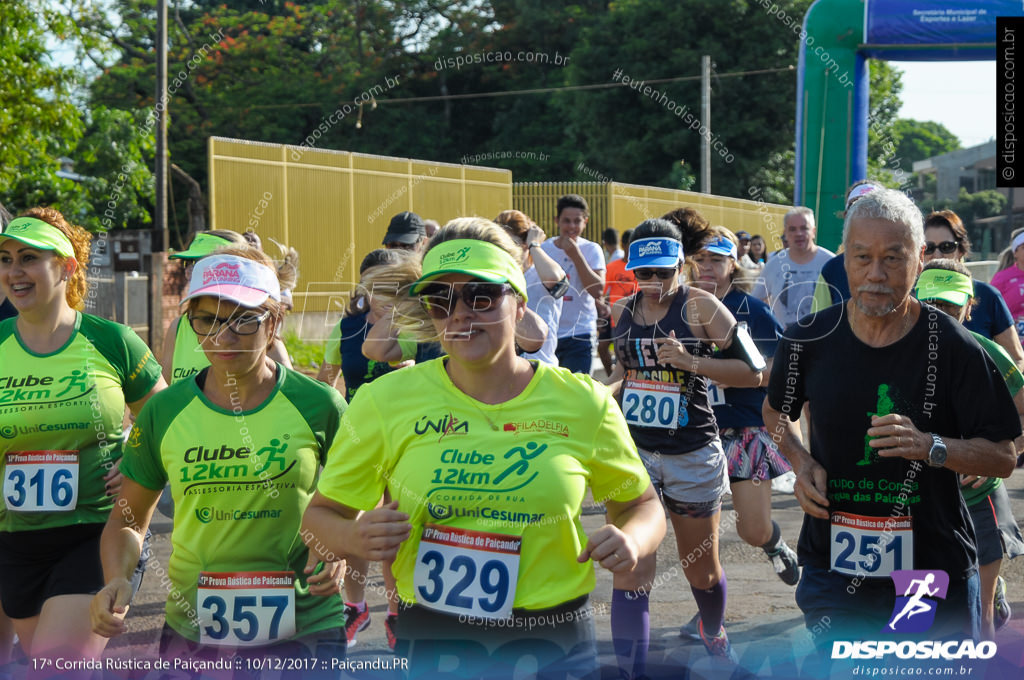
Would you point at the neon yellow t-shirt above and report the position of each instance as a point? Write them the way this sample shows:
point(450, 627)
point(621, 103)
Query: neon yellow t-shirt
point(189, 357)
point(61, 421)
point(240, 483)
point(520, 468)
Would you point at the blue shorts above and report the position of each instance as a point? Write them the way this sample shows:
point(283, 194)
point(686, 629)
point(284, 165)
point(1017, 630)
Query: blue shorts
point(836, 609)
point(576, 353)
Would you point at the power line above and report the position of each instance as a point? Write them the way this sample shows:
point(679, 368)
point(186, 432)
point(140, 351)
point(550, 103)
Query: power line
point(510, 93)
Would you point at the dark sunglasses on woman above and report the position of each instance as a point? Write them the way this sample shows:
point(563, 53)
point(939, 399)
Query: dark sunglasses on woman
point(946, 247)
point(439, 299)
point(663, 273)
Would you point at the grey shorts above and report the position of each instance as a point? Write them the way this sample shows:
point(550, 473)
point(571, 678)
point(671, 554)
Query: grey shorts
point(995, 527)
point(697, 478)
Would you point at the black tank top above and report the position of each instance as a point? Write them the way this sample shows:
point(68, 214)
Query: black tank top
point(667, 408)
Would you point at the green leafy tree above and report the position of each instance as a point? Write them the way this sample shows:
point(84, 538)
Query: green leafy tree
point(38, 119)
point(922, 139)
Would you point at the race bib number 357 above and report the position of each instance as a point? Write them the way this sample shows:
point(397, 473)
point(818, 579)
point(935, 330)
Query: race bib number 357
point(245, 608)
point(871, 546)
point(465, 572)
point(41, 481)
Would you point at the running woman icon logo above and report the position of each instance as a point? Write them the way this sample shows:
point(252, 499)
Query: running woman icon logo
point(917, 592)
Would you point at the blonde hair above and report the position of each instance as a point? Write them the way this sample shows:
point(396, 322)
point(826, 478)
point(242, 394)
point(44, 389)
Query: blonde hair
point(742, 279)
point(391, 282)
point(77, 286)
point(1006, 257)
point(287, 266)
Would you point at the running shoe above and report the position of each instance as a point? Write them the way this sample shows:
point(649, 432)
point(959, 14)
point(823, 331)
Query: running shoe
point(784, 560)
point(690, 629)
point(718, 646)
point(389, 627)
point(355, 621)
point(1002, 607)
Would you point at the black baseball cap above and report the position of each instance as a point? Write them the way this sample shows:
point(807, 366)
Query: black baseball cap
point(405, 227)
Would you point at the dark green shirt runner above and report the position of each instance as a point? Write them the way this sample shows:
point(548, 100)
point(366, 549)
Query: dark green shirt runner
point(61, 420)
point(240, 481)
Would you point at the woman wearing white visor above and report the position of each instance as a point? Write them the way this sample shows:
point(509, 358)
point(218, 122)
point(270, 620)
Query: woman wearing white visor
point(241, 443)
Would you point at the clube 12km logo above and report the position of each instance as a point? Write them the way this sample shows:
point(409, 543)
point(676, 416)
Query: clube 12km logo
point(918, 592)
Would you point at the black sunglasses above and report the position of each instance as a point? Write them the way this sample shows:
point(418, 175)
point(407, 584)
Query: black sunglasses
point(647, 274)
point(946, 247)
point(439, 299)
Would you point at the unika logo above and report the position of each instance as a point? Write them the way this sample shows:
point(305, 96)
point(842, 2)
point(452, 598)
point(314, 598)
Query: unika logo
point(17, 228)
point(448, 425)
point(917, 592)
point(457, 256)
point(222, 273)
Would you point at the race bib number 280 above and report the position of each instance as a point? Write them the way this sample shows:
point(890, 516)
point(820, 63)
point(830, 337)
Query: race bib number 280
point(647, 403)
point(41, 481)
point(473, 573)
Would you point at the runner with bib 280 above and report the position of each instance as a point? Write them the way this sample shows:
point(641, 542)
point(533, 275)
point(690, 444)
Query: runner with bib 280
point(65, 381)
point(488, 470)
point(241, 443)
point(663, 341)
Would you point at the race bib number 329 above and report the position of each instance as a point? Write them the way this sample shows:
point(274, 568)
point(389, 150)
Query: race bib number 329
point(465, 572)
point(245, 608)
point(41, 481)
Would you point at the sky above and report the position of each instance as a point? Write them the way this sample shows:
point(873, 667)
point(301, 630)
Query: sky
point(959, 94)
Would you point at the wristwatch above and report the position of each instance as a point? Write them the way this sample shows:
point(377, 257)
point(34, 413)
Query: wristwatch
point(533, 244)
point(937, 454)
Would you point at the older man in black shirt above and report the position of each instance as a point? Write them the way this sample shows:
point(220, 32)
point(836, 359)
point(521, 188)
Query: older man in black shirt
point(901, 400)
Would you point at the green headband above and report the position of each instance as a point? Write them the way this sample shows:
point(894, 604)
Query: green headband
point(38, 234)
point(943, 284)
point(478, 259)
point(202, 245)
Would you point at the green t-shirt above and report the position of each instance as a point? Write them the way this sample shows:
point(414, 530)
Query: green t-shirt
point(61, 420)
point(1014, 381)
point(519, 468)
point(189, 357)
point(240, 483)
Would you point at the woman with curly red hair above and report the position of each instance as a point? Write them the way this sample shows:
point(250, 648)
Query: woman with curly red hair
point(66, 379)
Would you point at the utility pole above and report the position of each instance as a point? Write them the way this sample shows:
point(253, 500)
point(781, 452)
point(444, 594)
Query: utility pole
point(156, 271)
point(705, 119)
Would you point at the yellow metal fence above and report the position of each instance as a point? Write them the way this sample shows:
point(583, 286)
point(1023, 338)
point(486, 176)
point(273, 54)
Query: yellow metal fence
point(334, 206)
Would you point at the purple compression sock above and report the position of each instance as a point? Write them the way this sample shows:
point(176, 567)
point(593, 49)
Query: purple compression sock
point(711, 603)
point(631, 630)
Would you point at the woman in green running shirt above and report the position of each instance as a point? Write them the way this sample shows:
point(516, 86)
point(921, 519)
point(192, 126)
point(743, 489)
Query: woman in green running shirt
point(241, 443)
point(64, 383)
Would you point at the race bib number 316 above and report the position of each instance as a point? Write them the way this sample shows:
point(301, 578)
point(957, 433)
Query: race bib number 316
point(245, 608)
point(871, 546)
point(41, 481)
point(465, 572)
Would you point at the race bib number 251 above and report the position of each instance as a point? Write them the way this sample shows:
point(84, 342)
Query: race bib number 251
point(871, 546)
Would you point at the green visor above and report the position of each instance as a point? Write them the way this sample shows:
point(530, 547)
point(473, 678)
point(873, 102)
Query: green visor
point(948, 286)
point(38, 234)
point(202, 245)
point(479, 259)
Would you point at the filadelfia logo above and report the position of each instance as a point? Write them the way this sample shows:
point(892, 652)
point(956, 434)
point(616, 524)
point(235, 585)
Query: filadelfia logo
point(918, 592)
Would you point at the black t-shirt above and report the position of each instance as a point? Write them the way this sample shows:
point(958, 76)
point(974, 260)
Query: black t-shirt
point(667, 409)
point(937, 375)
point(742, 406)
point(7, 310)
